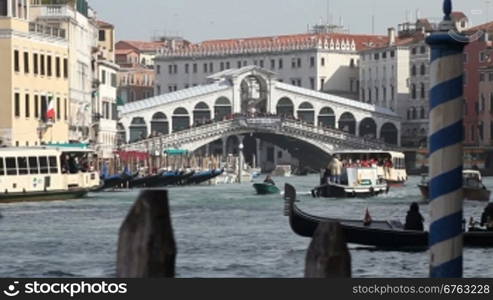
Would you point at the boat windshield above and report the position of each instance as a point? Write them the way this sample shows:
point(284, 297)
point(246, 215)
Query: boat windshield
point(73, 162)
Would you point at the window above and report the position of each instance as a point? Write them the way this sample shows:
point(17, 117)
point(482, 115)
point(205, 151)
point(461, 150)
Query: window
point(36, 106)
point(27, 106)
point(195, 68)
point(272, 64)
point(58, 111)
point(22, 165)
point(26, 62)
point(33, 165)
point(205, 67)
point(17, 104)
point(413, 70)
point(239, 64)
point(175, 69)
point(413, 91)
point(414, 51)
point(481, 77)
point(228, 65)
point(65, 108)
point(377, 56)
point(65, 68)
point(312, 61)
point(158, 69)
point(48, 63)
point(53, 165)
point(102, 35)
point(43, 165)
point(392, 53)
point(384, 55)
point(35, 63)
point(42, 61)
point(187, 68)
point(113, 80)
point(423, 69)
point(3, 12)
point(11, 166)
point(211, 67)
point(16, 61)
point(2, 169)
point(57, 67)
point(423, 91)
point(312, 83)
point(281, 63)
point(323, 61)
point(158, 87)
point(221, 66)
point(103, 77)
point(299, 62)
point(261, 63)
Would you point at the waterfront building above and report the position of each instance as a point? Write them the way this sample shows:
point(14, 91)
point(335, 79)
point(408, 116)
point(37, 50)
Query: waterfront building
point(105, 114)
point(137, 75)
point(77, 19)
point(319, 61)
point(34, 66)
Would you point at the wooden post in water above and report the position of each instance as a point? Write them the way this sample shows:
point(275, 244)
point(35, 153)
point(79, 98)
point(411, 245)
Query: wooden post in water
point(328, 255)
point(146, 244)
point(445, 148)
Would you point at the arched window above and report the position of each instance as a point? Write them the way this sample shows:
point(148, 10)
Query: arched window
point(181, 119)
point(327, 118)
point(413, 70)
point(138, 129)
point(222, 108)
point(306, 112)
point(423, 91)
point(159, 124)
point(201, 113)
point(423, 69)
point(413, 91)
point(415, 113)
point(285, 107)
point(422, 113)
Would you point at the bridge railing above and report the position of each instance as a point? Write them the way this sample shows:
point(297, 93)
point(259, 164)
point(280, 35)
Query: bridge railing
point(180, 137)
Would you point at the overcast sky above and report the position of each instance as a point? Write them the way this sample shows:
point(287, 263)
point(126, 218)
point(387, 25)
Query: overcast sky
point(198, 20)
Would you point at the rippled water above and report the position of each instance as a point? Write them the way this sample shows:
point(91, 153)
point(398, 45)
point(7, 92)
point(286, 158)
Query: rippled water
point(221, 231)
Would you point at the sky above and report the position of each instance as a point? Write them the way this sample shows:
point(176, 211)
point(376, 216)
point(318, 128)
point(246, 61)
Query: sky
point(199, 20)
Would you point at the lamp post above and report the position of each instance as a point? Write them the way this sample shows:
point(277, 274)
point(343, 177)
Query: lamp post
point(445, 148)
point(240, 162)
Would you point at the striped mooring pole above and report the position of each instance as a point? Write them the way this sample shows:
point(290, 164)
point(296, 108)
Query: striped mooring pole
point(445, 149)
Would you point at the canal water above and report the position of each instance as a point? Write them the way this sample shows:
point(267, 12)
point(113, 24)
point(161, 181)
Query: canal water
point(221, 231)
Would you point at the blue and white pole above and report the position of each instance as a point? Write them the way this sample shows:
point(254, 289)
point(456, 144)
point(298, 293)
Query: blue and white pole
point(445, 149)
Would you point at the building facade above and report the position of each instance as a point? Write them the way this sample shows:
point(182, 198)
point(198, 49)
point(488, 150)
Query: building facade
point(325, 62)
point(104, 108)
point(78, 21)
point(34, 66)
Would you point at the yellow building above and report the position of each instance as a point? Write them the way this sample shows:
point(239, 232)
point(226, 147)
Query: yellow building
point(33, 72)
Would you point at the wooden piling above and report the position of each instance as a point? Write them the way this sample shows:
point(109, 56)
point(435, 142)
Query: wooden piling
point(328, 255)
point(146, 245)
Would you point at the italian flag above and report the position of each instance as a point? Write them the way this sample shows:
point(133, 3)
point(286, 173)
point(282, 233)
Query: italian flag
point(50, 113)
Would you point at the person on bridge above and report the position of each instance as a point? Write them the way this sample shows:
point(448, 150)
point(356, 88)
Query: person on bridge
point(269, 180)
point(414, 219)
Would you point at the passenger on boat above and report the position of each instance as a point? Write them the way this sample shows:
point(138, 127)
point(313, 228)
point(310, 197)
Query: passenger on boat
point(269, 180)
point(335, 167)
point(326, 176)
point(414, 219)
point(487, 217)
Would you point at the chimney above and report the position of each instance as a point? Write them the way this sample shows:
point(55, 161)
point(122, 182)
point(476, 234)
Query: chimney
point(391, 35)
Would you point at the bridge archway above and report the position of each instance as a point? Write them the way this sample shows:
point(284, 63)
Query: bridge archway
point(181, 119)
point(254, 93)
point(138, 129)
point(306, 112)
point(201, 113)
point(368, 128)
point(347, 123)
point(159, 124)
point(222, 108)
point(327, 118)
point(285, 107)
point(389, 134)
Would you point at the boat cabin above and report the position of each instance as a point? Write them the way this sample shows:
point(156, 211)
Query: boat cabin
point(390, 165)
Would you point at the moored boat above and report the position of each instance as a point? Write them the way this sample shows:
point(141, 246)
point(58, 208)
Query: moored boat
point(266, 189)
point(203, 176)
point(45, 173)
point(389, 235)
point(473, 186)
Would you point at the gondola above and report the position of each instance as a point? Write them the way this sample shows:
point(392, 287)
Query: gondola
point(201, 177)
point(266, 189)
point(389, 235)
point(116, 181)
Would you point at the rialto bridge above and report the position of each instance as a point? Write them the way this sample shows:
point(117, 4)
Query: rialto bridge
point(250, 103)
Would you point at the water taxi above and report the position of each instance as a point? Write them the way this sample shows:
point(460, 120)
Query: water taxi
point(390, 164)
point(45, 173)
point(472, 185)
